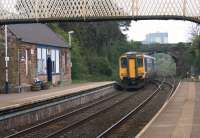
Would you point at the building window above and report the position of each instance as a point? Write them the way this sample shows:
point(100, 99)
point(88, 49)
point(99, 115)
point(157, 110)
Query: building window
point(57, 61)
point(39, 60)
point(53, 59)
point(42, 60)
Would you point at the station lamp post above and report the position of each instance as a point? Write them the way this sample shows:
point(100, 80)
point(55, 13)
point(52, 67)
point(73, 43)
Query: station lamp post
point(70, 43)
point(70, 38)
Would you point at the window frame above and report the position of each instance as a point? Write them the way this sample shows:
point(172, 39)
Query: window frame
point(41, 69)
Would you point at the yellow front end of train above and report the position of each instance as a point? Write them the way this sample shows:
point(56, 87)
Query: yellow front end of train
point(133, 70)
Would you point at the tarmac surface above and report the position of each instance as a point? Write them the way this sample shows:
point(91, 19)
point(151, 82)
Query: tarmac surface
point(13, 100)
point(180, 117)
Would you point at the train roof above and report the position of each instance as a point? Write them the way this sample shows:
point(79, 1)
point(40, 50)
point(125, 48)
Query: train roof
point(133, 53)
point(138, 54)
point(150, 57)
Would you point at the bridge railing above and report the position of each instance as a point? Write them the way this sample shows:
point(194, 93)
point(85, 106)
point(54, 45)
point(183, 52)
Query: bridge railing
point(38, 10)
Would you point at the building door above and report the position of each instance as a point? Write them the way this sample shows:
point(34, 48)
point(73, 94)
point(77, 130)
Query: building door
point(49, 69)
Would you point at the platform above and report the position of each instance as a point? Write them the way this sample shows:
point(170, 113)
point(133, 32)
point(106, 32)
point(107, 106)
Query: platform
point(180, 118)
point(9, 101)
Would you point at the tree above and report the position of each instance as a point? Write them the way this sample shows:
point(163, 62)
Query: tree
point(195, 50)
point(195, 31)
point(96, 48)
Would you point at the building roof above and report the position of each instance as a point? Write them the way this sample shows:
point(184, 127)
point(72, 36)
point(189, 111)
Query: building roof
point(37, 34)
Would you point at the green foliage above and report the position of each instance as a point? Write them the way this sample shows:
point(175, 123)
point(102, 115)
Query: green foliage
point(165, 63)
point(96, 48)
point(195, 54)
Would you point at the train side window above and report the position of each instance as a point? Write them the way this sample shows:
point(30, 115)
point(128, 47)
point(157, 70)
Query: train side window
point(139, 61)
point(124, 63)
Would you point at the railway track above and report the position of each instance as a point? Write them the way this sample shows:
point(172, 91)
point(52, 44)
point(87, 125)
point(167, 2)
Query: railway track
point(54, 127)
point(34, 128)
point(117, 129)
point(94, 125)
point(45, 128)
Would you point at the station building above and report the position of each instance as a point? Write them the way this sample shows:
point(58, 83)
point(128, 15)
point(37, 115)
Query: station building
point(29, 45)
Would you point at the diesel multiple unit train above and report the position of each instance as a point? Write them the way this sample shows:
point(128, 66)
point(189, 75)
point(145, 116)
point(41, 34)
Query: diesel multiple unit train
point(134, 70)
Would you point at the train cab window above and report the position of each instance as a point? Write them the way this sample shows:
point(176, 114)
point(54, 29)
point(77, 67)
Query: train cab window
point(140, 61)
point(124, 62)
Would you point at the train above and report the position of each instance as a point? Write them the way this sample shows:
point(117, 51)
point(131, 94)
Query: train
point(135, 69)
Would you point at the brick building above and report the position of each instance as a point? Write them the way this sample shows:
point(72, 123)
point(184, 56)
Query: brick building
point(29, 45)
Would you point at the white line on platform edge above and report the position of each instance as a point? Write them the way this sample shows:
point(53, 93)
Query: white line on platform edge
point(158, 113)
point(52, 95)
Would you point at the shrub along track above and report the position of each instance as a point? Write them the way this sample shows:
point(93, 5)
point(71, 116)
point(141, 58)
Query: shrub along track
point(94, 118)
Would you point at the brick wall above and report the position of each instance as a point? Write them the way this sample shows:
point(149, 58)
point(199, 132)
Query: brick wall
point(27, 65)
point(66, 64)
point(27, 75)
point(12, 68)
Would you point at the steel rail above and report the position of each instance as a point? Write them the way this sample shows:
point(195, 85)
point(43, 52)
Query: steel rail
point(132, 112)
point(86, 119)
point(67, 115)
point(25, 131)
point(50, 101)
point(173, 87)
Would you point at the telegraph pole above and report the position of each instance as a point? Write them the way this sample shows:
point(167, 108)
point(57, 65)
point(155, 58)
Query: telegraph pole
point(6, 59)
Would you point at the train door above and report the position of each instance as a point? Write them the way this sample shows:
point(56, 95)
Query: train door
point(132, 71)
point(140, 66)
point(123, 72)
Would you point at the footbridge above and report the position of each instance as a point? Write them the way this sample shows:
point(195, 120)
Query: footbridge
point(24, 11)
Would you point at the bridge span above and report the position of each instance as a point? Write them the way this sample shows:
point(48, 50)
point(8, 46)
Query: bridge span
point(24, 11)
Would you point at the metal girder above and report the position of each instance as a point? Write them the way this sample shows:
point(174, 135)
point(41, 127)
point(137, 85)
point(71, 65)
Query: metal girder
point(22, 11)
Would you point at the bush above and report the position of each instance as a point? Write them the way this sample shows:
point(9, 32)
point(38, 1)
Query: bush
point(100, 66)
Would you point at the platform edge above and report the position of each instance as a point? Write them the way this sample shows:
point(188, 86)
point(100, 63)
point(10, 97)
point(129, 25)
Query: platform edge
point(158, 113)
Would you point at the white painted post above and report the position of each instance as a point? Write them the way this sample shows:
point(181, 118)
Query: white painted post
point(19, 74)
point(70, 40)
point(6, 58)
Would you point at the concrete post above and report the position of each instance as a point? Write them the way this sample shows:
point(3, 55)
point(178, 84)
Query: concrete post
point(6, 59)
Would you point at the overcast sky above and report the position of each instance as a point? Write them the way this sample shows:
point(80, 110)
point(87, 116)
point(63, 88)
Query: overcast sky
point(179, 31)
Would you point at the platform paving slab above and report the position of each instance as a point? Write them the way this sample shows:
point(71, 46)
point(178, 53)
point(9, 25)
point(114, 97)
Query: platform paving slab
point(9, 101)
point(180, 118)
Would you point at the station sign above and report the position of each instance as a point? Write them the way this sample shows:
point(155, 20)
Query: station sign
point(7, 59)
